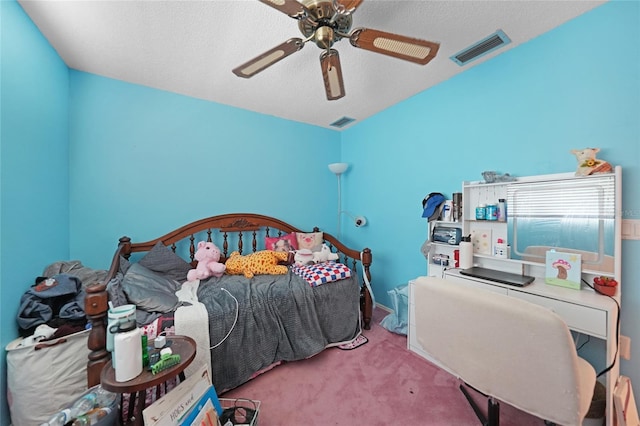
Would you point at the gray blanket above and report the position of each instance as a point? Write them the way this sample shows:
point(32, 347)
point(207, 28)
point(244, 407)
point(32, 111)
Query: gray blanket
point(280, 318)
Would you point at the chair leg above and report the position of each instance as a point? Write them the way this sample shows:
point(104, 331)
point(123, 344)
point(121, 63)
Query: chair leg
point(493, 408)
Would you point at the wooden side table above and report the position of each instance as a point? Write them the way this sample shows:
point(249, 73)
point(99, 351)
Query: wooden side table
point(137, 387)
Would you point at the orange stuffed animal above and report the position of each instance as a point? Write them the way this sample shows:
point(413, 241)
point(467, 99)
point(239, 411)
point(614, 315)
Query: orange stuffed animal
point(260, 262)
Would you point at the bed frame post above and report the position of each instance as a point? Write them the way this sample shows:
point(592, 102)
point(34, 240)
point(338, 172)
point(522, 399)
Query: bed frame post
point(96, 307)
point(366, 300)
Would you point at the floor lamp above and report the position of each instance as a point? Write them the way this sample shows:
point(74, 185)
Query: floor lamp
point(338, 169)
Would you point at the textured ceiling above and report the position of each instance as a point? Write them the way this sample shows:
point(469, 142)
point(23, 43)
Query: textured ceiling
point(190, 48)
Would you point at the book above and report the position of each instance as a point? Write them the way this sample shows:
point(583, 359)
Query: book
point(171, 408)
point(206, 416)
point(199, 410)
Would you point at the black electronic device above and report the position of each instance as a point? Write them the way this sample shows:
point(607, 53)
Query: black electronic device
point(498, 276)
point(446, 234)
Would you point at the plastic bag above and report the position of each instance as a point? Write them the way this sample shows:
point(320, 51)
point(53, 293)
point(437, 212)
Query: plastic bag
point(398, 321)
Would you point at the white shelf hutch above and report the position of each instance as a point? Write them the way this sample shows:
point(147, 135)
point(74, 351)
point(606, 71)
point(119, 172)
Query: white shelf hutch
point(584, 310)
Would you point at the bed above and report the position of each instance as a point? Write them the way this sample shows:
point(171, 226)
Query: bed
point(247, 325)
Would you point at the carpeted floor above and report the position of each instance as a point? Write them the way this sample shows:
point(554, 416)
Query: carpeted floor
point(378, 383)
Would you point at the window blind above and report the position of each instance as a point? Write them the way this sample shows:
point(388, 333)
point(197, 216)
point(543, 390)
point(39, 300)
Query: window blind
point(591, 197)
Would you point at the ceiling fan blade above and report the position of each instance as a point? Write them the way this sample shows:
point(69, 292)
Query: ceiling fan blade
point(401, 47)
point(346, 7)
point(268, 58)
point(291, 7)
point(332, 74)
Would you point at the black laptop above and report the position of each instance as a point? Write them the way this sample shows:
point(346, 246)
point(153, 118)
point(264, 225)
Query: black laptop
point(498, 276)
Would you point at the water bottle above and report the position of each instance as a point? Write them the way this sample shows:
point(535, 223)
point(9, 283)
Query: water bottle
point(59, 419)
point(92, 417)
point(104, 398)
point(466, 253)
point(502, 210)
point(83, 405)
point(127, 349)
point(82, 421)
point(98, 397)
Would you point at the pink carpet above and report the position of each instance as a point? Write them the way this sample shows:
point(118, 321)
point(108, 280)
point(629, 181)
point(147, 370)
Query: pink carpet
point(379, 383)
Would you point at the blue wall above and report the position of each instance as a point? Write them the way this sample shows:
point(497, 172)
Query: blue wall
point(522, 112)
point(144, 162)
point(34, 165)
point(169, 159)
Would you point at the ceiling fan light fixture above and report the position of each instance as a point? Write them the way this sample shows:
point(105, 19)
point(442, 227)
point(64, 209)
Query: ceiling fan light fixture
point(324, 37)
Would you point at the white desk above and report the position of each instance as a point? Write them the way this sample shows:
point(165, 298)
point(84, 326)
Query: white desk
point(583, 310)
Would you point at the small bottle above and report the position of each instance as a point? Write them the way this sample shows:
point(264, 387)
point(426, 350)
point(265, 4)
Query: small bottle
point(491, 212)
point(457, 206)
point(502, 210)
point(145, 352)
point(481, 212)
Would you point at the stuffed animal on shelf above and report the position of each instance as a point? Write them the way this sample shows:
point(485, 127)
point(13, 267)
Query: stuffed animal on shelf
point(260, 262)
point(303, 257)
point(324, 255)
point(492, 176)
point(588, 164)
point(208, 256)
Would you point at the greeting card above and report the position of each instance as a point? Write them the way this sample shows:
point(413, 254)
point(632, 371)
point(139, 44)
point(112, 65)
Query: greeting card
point(563, 269)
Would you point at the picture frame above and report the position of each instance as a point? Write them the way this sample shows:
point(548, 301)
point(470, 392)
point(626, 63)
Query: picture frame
point(563, 269)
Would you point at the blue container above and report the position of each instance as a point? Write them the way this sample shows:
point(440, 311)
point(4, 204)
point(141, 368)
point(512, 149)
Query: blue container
point(481, 212)
point(491, 212)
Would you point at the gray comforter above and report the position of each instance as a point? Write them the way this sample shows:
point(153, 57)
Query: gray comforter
point(279, 318)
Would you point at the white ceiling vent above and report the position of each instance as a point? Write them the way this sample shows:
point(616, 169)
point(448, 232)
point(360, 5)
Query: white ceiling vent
point(481, 48)
point(341, 122)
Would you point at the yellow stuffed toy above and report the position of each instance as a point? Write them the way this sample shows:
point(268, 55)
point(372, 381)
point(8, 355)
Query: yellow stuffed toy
point(260, 262)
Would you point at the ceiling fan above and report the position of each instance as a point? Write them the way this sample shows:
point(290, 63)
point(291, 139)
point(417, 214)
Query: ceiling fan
point(325, 22)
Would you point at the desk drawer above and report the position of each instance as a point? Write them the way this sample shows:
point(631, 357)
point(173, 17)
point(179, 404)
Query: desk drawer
point(578, 317)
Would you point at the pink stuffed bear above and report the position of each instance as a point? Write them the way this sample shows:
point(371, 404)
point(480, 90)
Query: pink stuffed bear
point(207, 256)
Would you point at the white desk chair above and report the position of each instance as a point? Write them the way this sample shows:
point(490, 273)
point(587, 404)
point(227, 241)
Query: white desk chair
point(506, 348)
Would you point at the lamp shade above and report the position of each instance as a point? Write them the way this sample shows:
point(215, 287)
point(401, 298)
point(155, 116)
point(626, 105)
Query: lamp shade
point(338, 168)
